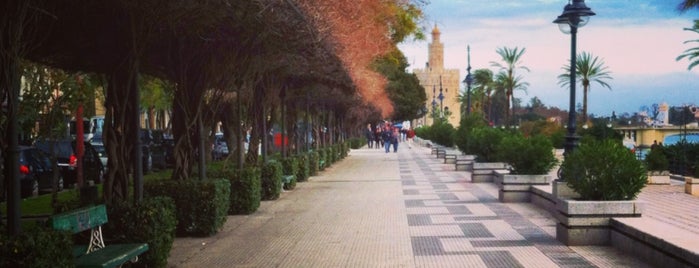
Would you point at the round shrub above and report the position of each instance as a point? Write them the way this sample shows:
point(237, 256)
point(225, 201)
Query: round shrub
point(442, 133)
point(527, 155)
point(656, 160)
point(271, 178)
point(604, 170)
point(482, 143)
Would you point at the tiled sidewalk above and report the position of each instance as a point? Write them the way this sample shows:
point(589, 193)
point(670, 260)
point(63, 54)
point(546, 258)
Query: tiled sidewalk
point(403, 209)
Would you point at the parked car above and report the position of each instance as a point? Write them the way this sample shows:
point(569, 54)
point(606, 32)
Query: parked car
point(36, 169)
point(64, 150)
point(220, 148)
point(101, 151)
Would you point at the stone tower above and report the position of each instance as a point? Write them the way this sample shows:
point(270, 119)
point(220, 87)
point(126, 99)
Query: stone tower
point(435, 79)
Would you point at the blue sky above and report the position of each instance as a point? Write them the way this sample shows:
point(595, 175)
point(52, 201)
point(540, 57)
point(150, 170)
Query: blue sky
point(638, 40)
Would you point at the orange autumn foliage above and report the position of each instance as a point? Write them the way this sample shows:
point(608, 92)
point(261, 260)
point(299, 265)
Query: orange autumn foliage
point(359, 33)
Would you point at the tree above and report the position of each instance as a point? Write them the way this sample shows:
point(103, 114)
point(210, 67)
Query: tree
point(507, 76)
point(588, 69)
point(691, 54)
point(484, 84)
point(687, 5)
point(403, 88)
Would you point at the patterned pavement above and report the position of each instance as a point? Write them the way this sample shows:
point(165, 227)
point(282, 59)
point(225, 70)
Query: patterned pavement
point(405, 209)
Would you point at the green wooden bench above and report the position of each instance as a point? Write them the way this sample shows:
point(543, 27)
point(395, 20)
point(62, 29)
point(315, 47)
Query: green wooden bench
point(96, 254)
point(286, 179)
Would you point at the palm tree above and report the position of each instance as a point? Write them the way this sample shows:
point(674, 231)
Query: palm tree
point(588, 69)
point(687, 5)
point(511, 59)
point(692, 54)
point(483, 82)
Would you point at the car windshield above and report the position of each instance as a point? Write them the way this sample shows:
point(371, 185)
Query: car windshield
point(63, 149)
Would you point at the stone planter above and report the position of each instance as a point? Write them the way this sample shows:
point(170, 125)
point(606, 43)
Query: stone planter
point(517, 187)
point(691, 185)
point(464, 162)
point(659, 177)
point(585, 223)
point(483, 172)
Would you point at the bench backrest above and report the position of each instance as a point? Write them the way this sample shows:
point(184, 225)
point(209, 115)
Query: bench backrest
point(81, 219)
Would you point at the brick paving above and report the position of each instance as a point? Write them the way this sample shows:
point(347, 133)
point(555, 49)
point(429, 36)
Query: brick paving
point(405, 209)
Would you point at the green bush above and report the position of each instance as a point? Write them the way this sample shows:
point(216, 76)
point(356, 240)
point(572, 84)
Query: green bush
point(313, 158)
point(271, 178)
point(290, 166)
point(468, 123)
point(201, 205)
point(322, 156)
point(151, 221)
point(604, 170)
point(531, 156)
point(246, 191)
point(482, 143)
point(303, 167)
point(656, 159)
point(36, 247)
point(442, 133)
point(345, 149)
point(356, 143)
point(330, 155)
point(682, 157)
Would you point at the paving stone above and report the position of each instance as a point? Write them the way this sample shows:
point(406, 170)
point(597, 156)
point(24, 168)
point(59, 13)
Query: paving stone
point(407, 209)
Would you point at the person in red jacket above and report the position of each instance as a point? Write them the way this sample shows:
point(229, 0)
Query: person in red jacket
point(410, 135)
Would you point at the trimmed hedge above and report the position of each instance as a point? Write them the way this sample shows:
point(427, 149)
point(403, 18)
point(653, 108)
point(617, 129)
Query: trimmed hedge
point(303, 167)
point(322, 156)
point(151, 221)
point(246, 190)
point(313, 158)
point(37, 247)
point(271, 178)
point(201, 205)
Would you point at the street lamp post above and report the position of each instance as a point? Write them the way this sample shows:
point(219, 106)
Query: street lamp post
point(434, 104)
point(441, 99)
point(574, 16)
point(468, 80)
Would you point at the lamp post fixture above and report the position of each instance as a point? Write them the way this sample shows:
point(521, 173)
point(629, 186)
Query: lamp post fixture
point(441, 99)
point(574, 16)
point(468, 80)
point(434, 103)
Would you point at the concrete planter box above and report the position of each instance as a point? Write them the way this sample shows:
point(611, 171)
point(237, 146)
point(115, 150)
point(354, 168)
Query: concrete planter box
point(463, 165)
point(691, 186)
point(483, 172)
point(517, 187)
point(659, 177)
point(450, 158)
point(586, 223)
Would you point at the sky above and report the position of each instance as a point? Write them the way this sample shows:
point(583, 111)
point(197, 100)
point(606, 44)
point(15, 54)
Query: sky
point(638, 40)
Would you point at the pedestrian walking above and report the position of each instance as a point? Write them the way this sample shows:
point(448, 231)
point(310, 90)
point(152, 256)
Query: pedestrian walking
point(410, 135)
point(395, 138)
point(377, 137)
point(387, 137)
point(369, 134)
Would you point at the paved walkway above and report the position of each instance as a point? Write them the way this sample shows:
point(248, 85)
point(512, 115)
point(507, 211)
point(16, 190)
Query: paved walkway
point(403, 209)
